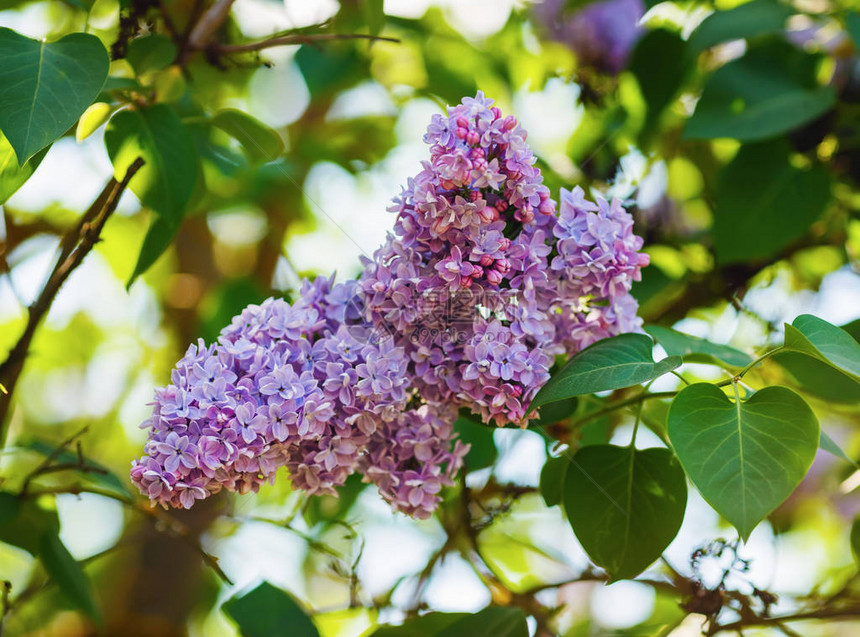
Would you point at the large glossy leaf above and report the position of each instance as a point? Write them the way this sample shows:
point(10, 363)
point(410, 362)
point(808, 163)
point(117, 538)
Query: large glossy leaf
point(268, 611)
point(67, 574)
point(165, 183)
point(764, 202)
point(613, 363)
point(745, 21)
point(769, 91)
point(625, 505)
point(816, 337)
point(13, 176)
point(158, 238)
point(494, 621)
point(45, 87)
point(745, 457)
point(697, 350)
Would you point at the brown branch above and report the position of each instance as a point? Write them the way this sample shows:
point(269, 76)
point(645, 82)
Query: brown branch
point(4, 603)
point(285, 40)
point(75, 245)
point(820, 613)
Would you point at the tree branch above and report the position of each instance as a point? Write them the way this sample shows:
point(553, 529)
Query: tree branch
point(75, 245)
point(298, 38)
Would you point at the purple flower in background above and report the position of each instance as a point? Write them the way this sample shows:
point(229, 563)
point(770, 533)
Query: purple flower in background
point(601, 34)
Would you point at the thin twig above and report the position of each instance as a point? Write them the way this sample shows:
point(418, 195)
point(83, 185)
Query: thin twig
point(46, 465)
point(173, 526)
point(75, 245)
point(285, 40)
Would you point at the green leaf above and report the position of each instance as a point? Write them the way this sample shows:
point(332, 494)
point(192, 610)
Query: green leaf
point(829, 445)
point(769, 91)
point(267, 611)
point(855, 539)
point(625, 505)
point(261, 143)
point(613, 363)
point(552, 479)
point(852, 24)
point(557, 411)
point(745, 457)
point(96, 115)
point(659, 62)
point(165, 183)
point(374, 16)
point(45, 87)
point(819, 379)
point(816, 337)
point(494, 621)
point(744, 21)
point(23, 522)
point(150, 53)
point(697, 350)
point(68, 575)
point(13, 176)
point(482, 452)
point(764, 203)
point(158, 238)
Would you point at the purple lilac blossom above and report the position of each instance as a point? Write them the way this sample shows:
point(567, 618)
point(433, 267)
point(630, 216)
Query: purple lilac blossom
point(601, 34)
point(466, 304)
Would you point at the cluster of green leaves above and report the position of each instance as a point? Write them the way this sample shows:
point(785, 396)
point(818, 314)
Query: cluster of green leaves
point(745, 452)
point(48, 87)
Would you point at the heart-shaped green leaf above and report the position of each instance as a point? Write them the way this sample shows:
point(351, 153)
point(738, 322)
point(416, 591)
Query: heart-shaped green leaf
point(45, 87)
point(816, 337)
point(625, 505)
point(745, 457)
point(697, 350)
point(166, 181)
point(13, 176)
point(621, 361)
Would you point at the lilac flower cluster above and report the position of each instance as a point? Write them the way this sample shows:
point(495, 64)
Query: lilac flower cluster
point(481, 283)
point(466, 304)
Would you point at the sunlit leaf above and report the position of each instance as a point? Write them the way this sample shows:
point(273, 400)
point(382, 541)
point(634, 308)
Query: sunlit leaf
point(625, 505)
point(45, 87)
point(744, 21)
point(745, 457)
point(769, 91)
point(96, 115)
point(259, 141)
point(13, 176)
point(165, 183)
point(495, 621)
point(613, 363)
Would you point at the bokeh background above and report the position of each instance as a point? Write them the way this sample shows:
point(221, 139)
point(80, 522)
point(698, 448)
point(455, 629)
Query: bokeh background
point(352, 116)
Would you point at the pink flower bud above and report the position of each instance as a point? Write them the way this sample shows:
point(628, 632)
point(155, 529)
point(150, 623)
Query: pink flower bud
point(502, 205)
point(489, 214)
point(504, 244)
point(496, 112)
point(472, 138)
point(546, 207)
point(466, 281)
point(502, 265)
point(474, 195)
point(486, 260)
point(462, 122)
point(461, 132)
point(494, 276)
point(477, 272)
point(510, 123)
point(516, 391)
